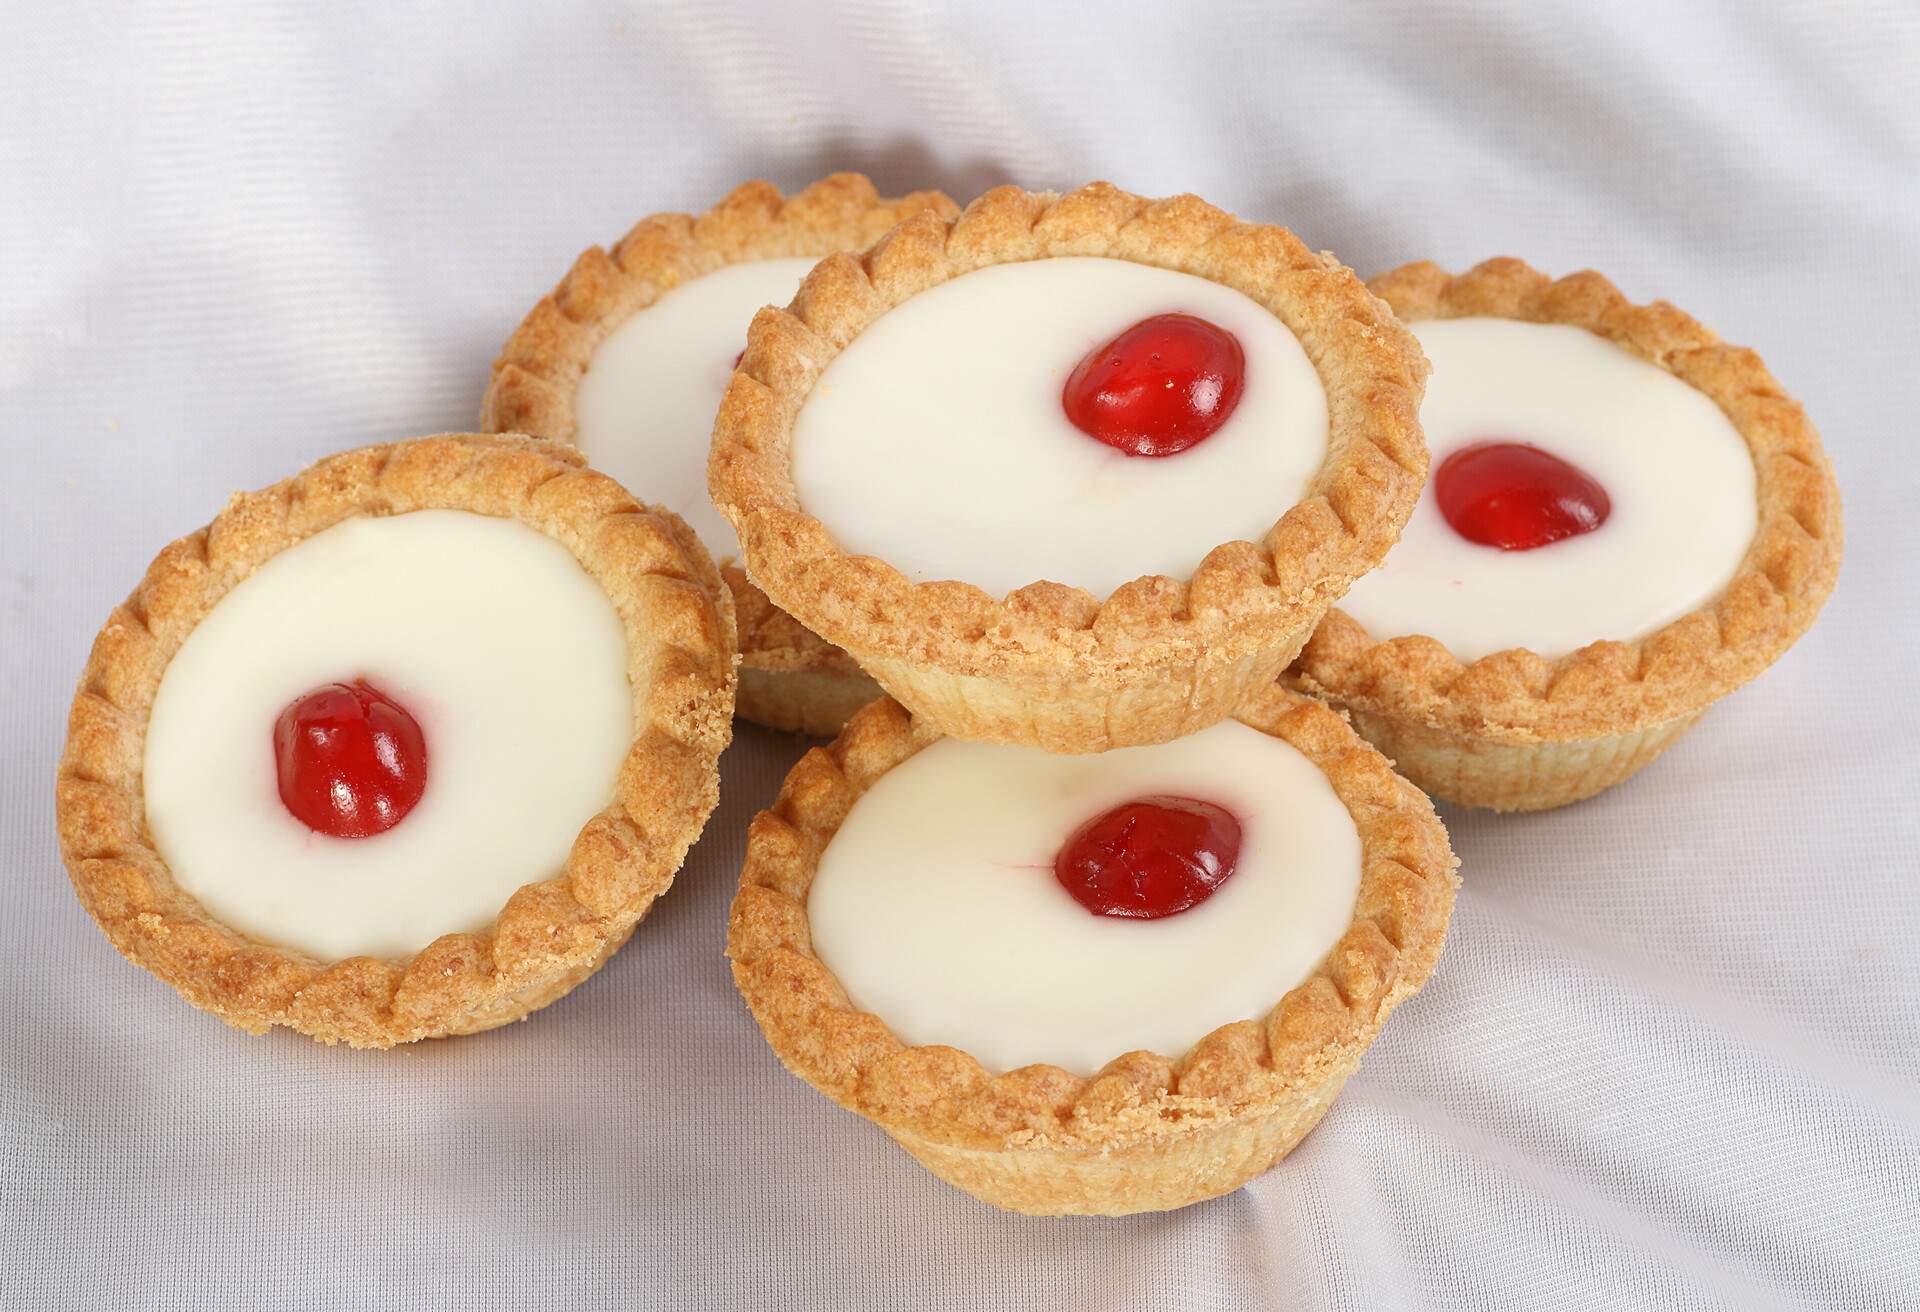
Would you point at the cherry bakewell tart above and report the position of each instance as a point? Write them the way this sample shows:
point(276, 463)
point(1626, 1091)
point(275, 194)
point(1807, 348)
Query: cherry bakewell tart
point(1628, 519)
point(403, 746)
point(1076, 471)
point(1096, 984)
point(628, 358)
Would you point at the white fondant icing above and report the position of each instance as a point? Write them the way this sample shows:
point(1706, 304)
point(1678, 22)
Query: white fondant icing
point(936, 904)
point(1679, 475)
point(508, 654)
point(937, 440)
point(644, 411)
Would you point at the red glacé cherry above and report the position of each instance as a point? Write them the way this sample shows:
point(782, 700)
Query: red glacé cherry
point(1149, 858)
point(352, 761)
point(1159, 387)
point(1517, 497)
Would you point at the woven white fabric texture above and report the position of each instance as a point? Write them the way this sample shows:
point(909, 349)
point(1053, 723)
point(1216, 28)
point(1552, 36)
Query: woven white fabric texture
point(1671, 1058)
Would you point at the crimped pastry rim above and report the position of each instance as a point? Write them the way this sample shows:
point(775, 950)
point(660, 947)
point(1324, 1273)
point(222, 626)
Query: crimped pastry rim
point(1611, 687)
point(538, 371)
point(678, 622)
point(1244, 1068)
point(1242, 593)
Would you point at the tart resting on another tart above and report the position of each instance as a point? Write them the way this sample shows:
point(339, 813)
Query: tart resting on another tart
point(1074, 471)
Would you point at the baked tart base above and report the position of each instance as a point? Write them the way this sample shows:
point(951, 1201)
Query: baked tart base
point(790, 679)
point(1147, 1132)
point(553, 932)
point(1481, 770)
point(795, 680)
point(1515, 731)
point(1050, 665)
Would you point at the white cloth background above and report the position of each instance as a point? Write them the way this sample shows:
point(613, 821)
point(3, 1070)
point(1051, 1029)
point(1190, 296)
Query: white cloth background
point(1672, 1054)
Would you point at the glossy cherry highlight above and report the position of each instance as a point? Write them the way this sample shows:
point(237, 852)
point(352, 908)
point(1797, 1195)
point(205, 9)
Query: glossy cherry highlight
point(1516, 497)
point(1150, 858)
point(1159, 387)
point(352, 761)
